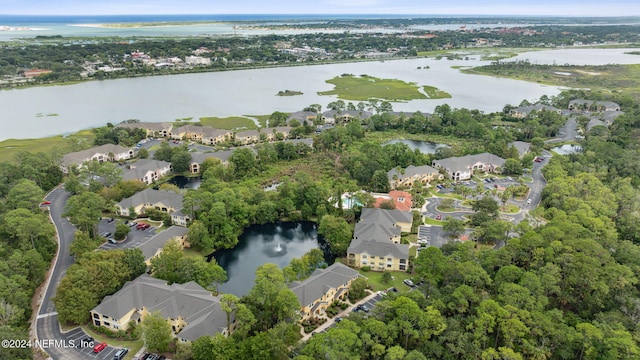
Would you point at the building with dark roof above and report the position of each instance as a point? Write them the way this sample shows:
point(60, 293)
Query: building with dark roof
point(424, 174)
point(376, 240)
point(147, 171)
point(317, 292)
point(166, 201)
point(463, 167)
point(191, 310)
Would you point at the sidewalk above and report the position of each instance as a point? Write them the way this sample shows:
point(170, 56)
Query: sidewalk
point(343, 313)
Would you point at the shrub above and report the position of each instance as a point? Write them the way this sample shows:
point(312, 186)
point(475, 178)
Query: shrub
point(366, 268)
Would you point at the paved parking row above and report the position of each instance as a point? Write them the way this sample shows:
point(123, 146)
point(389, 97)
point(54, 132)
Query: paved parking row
point(86, 348)
point(135, 238)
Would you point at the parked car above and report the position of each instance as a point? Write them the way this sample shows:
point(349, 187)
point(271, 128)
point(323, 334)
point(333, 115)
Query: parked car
point(99, 347)
point(105, 234)
point(143, 226)
point(528, 201)
point(133, 223)
point(45, 203)
point(110, 220)
point(409, 283)
point(364, 308)
point(112, 240)
point(120, 354)
point(438, 217)
point(393, 289)
point(338, 319)
point(538, 159)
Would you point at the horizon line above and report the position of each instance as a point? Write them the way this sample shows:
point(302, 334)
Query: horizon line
point(341, 14)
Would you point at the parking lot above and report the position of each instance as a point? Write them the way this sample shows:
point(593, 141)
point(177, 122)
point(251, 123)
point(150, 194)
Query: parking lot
point(77, 335)
point(135, 238)
point(487, 183)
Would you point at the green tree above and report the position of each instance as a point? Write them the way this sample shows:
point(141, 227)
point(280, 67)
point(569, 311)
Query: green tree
point(26, 194)
point(83, 243)
point(357, 289)
point(337, 233)
point(85, 211)
point(156, 332)
point(122, 230)
point(454, 227)
point(180, 162)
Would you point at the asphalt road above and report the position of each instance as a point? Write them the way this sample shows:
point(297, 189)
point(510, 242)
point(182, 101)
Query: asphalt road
point(568, 131)
point(47, 325)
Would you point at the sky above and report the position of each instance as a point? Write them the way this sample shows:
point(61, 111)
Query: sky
point(414, 7)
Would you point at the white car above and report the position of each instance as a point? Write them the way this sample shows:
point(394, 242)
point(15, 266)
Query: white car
point(528, 201)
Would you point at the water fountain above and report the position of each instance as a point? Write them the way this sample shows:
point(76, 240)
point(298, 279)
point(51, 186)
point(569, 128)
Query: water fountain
point(275, 251)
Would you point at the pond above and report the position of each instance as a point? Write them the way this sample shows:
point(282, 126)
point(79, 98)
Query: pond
point(270, 243)
point(567, 149)
point(424, 147)
point(184, 182)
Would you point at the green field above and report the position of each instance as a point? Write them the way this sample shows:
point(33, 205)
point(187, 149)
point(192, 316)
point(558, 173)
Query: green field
point(362, 88)
point(228, 123)
point(435, 93)
point(604, 78)
point(80, 140)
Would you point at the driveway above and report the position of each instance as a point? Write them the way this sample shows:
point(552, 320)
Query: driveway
point(135, 238)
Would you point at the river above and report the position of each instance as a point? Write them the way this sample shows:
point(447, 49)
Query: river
point(44, 111)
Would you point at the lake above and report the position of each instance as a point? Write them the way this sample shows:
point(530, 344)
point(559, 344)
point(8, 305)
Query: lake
point(253, 92)
point(184, 182)
point(270, 243)
point(567, 149)
point(424, 147)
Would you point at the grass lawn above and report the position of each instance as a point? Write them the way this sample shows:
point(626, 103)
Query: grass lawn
point(361, 88)
point(262, 119)
point(510, 209)
point(435, 93)
point(133, 346)
point(228, 123)
point(375, 279)
point(526, 179)
point(430, 221)
point(11, 147)
point(602, 78)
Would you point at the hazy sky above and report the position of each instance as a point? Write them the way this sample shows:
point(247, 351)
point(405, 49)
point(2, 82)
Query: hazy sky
point(417, 7)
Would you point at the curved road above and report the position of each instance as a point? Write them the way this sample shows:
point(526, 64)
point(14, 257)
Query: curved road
point(47, 325)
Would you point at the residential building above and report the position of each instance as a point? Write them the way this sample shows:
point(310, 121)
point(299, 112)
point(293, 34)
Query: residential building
point(191, 310)
point(272, 132)
point(146, 170)
point(198, 158)
point(317, 292)
point(248, 137)
point(424, 174)
point(302, 117)
point(463, 167)
point(153, 129)
point(211, 136)
point(166, 201)
point(333, 116)
point(189, 132)
point(102, 153)
point(180, 218)
point(401, 199)
point(524, 111)
point(197, 60)
point(593, 105)
point(153, 247)
point(522, 147)
point(376, 240)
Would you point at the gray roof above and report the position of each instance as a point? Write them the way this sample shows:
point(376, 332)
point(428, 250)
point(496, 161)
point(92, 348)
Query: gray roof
point(138, 169)
point(411, 171)
point(199, 158)
point(158, 241)
point(535, 108)
point(463, 163)
point(209, 132)
point(605, 104)
point(595, 122)
point(352, 113)
point(79, 157)
point(189, 301)
point(301, 116)
point(521, 146)
point(609, 116)
point(248, 133)
point(279, 129)
point(379, 248)
point(385, 217)
point(316, 285)
point(151, 126)
point(152, 196)
point(375, 231)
